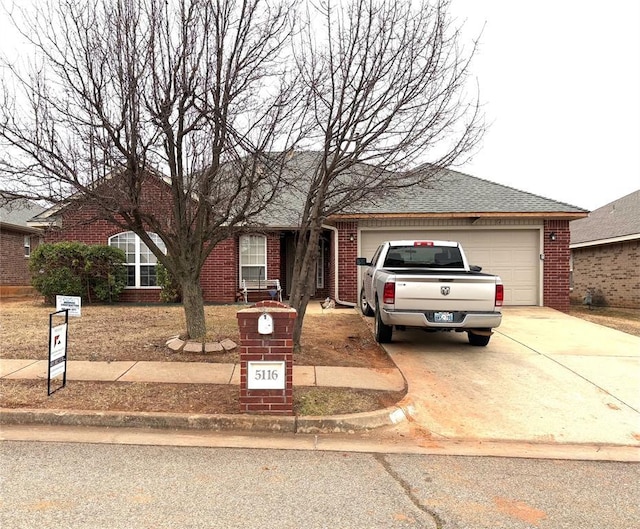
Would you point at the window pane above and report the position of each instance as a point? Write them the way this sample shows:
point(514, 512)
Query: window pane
point(127, 243)
point(155, 238)
point(148, 276)
point(253, 273)
point(145, 254)
point(253, 257)
point(253, 249)
point(131, 276)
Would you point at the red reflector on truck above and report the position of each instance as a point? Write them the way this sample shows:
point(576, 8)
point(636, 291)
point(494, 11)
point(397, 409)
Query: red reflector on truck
point(423, 243)
point(389, 293)
point(499, 295)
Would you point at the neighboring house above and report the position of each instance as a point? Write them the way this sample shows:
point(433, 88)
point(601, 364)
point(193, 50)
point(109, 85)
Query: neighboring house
point(17, 241)
point(605, 252)
point(520, 236)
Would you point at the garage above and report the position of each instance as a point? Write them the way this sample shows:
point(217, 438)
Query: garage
point(513, 254)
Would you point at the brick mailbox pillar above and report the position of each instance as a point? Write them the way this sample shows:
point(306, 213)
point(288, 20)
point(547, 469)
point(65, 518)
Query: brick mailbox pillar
point(266, 358)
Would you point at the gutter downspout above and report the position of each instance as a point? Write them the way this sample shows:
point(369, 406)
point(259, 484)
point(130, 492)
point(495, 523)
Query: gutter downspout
point(335, 267)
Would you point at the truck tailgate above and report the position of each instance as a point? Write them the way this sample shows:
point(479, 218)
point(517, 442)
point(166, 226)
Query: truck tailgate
point(445, 292)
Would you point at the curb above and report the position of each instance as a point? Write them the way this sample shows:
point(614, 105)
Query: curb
point(349, 423)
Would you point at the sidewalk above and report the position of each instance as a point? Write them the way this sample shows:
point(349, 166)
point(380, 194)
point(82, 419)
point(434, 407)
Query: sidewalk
point(389, 379)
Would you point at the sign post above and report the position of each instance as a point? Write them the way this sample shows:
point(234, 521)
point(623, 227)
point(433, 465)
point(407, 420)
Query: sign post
point(58, 350)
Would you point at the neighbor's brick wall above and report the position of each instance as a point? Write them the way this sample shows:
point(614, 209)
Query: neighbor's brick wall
point(347, 253)
point(556, 265)
point(611, 271)
point(15, 266)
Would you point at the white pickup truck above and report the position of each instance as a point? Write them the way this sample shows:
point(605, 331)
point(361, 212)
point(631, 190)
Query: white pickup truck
point(429, 284)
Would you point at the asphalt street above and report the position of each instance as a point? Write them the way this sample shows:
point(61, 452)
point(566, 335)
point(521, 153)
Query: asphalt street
point(74, 485)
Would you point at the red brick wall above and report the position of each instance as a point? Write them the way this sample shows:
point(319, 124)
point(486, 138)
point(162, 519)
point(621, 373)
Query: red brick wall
point(256, 347)
point(219, 277)
point(556, 265)
point(347, 253)
point(610, 271)
point(273, 255)
point(14, 269)
point(220, 274)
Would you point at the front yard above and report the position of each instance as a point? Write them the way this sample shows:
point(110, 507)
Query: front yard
point(129, 332)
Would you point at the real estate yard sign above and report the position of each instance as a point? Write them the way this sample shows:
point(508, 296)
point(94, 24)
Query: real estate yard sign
point(58, 349)
point(73, 303)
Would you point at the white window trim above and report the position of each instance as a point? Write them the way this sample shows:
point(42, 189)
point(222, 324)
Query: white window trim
point(137, 264)
point(241, 265)
point(27, 246)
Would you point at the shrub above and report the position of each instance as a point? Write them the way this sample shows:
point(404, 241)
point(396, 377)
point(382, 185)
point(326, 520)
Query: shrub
point(170, 292)
point(77, 269)
point(107, 275)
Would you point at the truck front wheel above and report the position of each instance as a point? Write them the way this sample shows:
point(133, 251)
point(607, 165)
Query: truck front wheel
point(382, 332)
point(479, 340)
point(364, 304)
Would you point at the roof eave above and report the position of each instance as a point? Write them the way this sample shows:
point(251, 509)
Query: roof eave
point(601, 242)
point(21, 228)
point(554, 215)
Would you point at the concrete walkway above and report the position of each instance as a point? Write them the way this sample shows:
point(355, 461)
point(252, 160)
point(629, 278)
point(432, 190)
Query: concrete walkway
point(389, 379)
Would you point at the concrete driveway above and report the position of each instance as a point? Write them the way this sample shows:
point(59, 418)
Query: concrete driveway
point(544, 377)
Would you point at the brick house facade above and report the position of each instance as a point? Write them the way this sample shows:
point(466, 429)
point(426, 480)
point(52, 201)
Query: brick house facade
point(556, 278)
point(610, 272)
point(17, 242)
point(343, 241)
point(17, 246)
point(605, 251)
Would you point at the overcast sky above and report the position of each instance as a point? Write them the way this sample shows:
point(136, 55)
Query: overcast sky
point(560, 80)
point(561, 84)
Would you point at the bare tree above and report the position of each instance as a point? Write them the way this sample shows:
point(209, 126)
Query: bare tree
point(386, 85)
point(127, 101)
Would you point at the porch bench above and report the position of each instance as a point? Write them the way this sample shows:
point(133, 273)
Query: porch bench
point(269, 286)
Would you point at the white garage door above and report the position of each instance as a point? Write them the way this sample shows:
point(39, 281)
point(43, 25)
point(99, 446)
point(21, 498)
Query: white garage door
point(511, 254)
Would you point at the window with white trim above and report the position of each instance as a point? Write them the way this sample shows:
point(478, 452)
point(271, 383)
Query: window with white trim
point(140, 261)
point(253, 257)
point(27, 245)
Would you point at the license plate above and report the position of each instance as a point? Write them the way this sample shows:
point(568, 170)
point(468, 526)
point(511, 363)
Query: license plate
point(443, 317)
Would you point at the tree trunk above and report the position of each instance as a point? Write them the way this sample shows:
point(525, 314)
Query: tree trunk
point(303, 278)
point(193, 304)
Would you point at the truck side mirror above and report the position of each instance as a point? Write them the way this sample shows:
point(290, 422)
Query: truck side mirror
point(475, 268)
point(362, 261)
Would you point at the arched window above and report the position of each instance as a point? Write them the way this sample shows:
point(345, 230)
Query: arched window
point(253, 257)
point(140, 261)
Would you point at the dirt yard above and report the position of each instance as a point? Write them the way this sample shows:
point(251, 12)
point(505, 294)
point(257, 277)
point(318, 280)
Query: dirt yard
point(625, 320)
point(128, 332)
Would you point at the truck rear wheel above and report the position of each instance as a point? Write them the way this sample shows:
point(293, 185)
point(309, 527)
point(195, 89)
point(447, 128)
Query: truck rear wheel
point(364, 305)
point(479, 340)
point(382, 332)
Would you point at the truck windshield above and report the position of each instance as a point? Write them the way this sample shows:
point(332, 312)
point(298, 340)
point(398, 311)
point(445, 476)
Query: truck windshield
point(423, 257)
